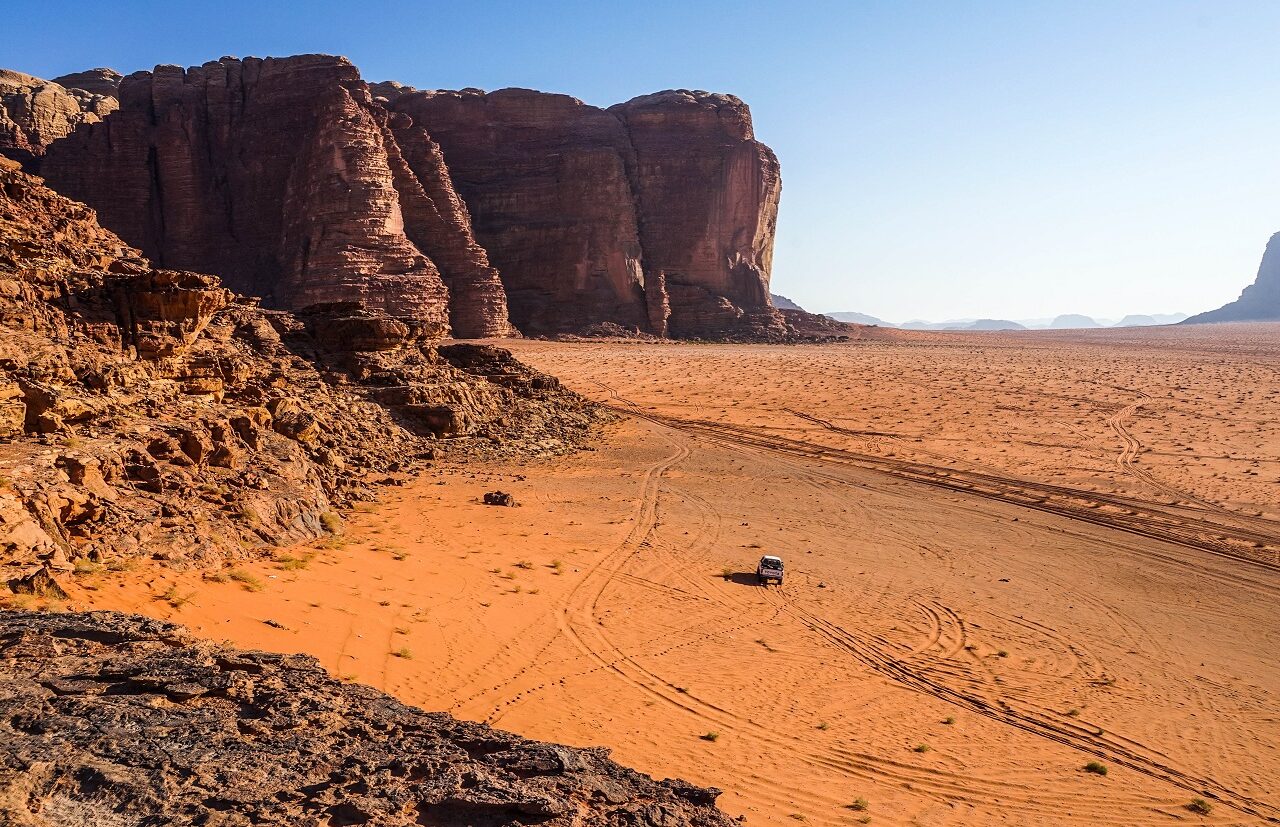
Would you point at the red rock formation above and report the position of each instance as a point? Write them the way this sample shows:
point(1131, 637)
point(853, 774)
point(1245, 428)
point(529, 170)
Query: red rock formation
point(289, 180)
point(100, 81)
point(708, 201)
point(437, 221)
point(545, 177)
point(658, 213)
point(283, 177)
point(35, 112)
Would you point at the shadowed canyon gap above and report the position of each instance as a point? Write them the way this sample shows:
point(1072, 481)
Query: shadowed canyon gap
point(655, 215)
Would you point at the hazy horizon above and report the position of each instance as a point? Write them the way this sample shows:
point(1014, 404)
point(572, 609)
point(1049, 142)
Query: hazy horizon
point(939, 161)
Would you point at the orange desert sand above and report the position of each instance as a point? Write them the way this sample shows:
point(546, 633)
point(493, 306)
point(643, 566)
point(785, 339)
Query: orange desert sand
point(1009, 555)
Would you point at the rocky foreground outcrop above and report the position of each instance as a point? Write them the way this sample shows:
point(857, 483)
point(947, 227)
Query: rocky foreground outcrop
point(295, 181)
point(111, 719)
point(657, 214)
point(1259, 301)
point(34, 112)
point(149, 412)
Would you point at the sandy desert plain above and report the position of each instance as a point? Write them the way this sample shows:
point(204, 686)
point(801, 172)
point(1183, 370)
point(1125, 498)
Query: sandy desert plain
point(1010, 555)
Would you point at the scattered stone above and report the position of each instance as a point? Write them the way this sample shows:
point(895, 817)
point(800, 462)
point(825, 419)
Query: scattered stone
point(500, 498)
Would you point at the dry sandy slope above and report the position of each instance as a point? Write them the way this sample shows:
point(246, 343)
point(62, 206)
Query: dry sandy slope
point(1021, 591)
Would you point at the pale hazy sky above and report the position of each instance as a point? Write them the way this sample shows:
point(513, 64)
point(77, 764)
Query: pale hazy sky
point(940, 159)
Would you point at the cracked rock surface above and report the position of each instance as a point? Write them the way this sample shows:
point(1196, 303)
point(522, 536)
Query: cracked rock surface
point(113, 719)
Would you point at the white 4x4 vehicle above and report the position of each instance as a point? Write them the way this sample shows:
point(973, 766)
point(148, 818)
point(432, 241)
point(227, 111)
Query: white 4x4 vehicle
point(770, 568)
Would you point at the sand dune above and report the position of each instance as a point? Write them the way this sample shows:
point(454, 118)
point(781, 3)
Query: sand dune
point(1009, 556)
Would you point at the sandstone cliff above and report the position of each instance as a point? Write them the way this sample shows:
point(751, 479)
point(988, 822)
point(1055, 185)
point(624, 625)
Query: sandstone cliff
point(1259, 301)
point(284, 178)
point(708, 201)
point(656, 214)
point(99, 81)
point(34, 113)
point(152, 413)
point(111, 719)
point(546, 180)
point(294, 180)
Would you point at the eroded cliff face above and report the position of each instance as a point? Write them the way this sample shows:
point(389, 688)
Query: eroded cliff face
point(34, 113)
point(284, 178)
point(1259, 301)
point(708, 202)
point(546, 180)
point(295, 181)
point(657, 214)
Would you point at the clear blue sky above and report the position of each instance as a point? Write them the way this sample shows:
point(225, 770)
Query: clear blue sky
point(940, 159)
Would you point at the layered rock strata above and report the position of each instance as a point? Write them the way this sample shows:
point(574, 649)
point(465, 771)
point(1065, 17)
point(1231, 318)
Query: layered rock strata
point(100, 81)
point(1259, 301)
point(656, 214)
point(34, 113)
point(283, 177)
point(707, 197)
point(117, 719)
point(295, 181)
point(150, 412)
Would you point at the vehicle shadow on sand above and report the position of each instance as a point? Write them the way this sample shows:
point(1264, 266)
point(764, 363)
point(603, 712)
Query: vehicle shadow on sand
point(743, 578)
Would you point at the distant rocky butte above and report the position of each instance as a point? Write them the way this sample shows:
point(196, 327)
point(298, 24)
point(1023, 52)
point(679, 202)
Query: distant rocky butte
point(858, 318)
point(111, 719)
point(100, 81)
point(1072, 321)
point(34, 113)
point(294, 180)
point(1259, 301)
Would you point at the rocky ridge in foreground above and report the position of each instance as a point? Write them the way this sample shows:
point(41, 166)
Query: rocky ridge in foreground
point(151, 413)
point(112, 719)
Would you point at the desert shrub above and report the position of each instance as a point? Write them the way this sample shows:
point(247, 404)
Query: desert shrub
point(1200, 807)
point(245, 579)
point(1096, 767)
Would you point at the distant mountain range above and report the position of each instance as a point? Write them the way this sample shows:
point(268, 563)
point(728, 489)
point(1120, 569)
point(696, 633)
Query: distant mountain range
point(1066, 321)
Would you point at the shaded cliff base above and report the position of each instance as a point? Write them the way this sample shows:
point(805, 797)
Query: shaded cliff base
point(112, 719)
point(150, 413)
point(797, 327)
